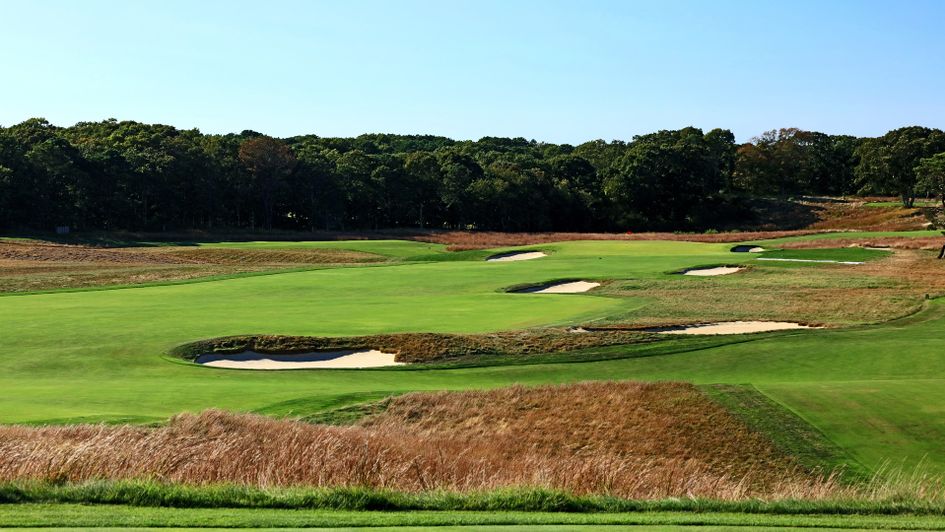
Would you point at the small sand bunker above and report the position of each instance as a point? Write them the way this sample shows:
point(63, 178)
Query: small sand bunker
point(572, 287)
point(711, 272)
point(364, 358)
point(516, 255)
point(811, 260)
point(750, 248)
point(732, 327)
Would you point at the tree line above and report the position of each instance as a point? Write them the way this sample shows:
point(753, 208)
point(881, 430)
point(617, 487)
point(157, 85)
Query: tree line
point(127, 175)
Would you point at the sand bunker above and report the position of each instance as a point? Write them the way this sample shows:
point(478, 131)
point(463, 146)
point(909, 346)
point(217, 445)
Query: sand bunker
point(335, 359)
point(516, 255)
point(572, 287)
point(731, 327)
point(750, 248)
point(811, 260)
point(711, 272)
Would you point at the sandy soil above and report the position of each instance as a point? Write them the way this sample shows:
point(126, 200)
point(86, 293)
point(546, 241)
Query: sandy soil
point(335, 359)
point(574, 287)
point(517, 255)
point(732, 327)
point(711, 272)
point(811, 260)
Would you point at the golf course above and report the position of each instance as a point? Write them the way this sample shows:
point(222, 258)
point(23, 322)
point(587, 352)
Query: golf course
point(472, 266)
point(100, 355)
point(857, 386)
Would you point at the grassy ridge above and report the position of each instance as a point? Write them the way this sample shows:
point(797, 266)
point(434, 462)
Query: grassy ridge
point(144, 494)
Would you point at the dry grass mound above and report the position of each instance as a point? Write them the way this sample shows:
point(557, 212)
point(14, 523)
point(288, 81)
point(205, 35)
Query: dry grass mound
point(928, 244)
point(469, 240)
point(421, 347)
point(272, 256)
point(51, 252)
point(857, 215)
point(26, 266)
point(627, 439)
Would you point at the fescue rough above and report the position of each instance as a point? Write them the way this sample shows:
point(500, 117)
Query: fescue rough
point(623, 439)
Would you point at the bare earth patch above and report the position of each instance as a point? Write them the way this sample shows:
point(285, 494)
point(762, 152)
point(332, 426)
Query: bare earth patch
point(352, 359)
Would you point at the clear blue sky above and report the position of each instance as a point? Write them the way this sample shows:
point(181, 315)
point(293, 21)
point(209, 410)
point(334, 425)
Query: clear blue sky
point(547, 70)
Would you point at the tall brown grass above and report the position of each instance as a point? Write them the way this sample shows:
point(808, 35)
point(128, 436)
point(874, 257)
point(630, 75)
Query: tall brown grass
point(633, 440)
point(468, 240)
point(28, 266)
point(173, 255)
point(928, 244)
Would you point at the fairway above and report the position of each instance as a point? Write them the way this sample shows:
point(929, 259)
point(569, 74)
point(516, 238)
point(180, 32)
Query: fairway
point(99, 355)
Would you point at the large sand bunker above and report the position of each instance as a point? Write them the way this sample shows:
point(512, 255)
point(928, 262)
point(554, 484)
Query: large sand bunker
point(731, 327)
point(811, 260)
point(516, 255)
point(750, 248)
point(335, 359)
point(569, 287)
point(711, 272)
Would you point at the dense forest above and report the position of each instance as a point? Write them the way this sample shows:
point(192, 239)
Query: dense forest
point(114, 175)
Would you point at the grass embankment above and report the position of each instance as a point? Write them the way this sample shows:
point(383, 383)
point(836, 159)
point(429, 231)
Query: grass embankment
point(570, 425)
point(425, 347)
point(145, 495)
point(630, 440)
point(787, 431)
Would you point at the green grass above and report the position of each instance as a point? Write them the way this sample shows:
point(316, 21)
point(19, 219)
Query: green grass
point(877, 392)
point(836, 254)
point(72, 515)
point(107, 504)
point(788, 431)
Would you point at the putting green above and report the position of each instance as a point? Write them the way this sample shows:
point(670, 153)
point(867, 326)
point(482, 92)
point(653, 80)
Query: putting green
point(96, 355)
